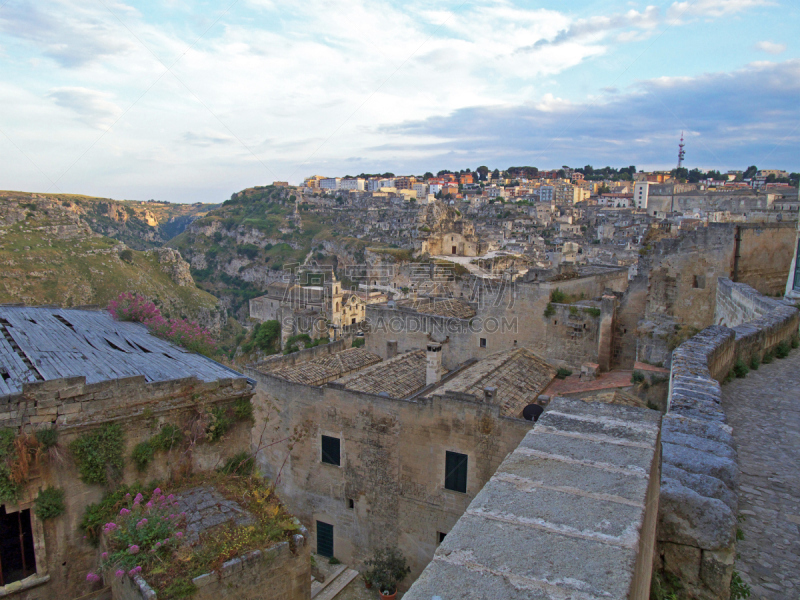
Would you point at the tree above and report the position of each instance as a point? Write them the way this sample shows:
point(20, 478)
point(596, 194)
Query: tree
point(496, 174)
point(482, 172)
point(771, 178)
point(750, 172)
point(428, 175)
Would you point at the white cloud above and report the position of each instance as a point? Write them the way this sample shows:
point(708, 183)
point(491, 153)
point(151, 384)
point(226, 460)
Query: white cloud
point(91, 106)
point(770, 47)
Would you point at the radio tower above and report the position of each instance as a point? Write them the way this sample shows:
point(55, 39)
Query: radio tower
point(681, 152)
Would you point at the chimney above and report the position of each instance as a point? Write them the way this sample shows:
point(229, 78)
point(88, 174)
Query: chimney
point(433, 366)
point(391, 349)
point(489, 393)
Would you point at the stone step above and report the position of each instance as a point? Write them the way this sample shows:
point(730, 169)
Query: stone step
point(337, 585)
point(317, 586)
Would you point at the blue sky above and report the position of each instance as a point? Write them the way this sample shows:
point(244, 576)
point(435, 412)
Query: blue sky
point(191, 101)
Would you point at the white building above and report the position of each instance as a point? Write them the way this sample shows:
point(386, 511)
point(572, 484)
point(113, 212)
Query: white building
point(352, 183)
point(640, 192)
point(421, 189)
point(434, 188)
point(547, 193)
point(330, 183)
point(377, 184)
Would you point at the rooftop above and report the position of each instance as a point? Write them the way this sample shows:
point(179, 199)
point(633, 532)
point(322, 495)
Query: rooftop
point(518, 376)
point(326, 368)
point(442, 307)
point(41, 344)
point(396, 378)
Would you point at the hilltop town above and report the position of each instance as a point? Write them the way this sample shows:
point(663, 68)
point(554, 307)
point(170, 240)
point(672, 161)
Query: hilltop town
point(419, 385)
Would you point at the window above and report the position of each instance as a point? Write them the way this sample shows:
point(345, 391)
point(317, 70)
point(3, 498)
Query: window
point(324, 539)
point(483, 342)
point(16, 546)
point(455, 472)
point(330, 450)
point(351, 503)
point(440, 535)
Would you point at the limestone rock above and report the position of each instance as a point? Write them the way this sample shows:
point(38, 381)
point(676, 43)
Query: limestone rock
point(173, 264)
point(686, 517)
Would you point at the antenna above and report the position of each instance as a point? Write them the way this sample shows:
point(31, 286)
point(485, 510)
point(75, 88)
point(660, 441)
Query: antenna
point(681, 152)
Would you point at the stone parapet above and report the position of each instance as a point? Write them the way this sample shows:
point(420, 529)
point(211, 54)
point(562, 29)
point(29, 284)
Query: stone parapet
point(699, 479)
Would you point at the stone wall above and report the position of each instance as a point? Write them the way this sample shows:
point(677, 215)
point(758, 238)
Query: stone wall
point(74, 407)
point(698, 502)
point(389, 488)
point(571, 513)
point(282, 572)
point(508, 316)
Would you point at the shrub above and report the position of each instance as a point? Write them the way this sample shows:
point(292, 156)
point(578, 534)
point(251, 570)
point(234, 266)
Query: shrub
point(126, 255)
point(768, 357)
point(549, 311)
point(558, 296)
point(740, 369)
point(637, 377)
point(387, 568)
point(218, 425)
point(98, 454)
point(131, 307)
point(755, 361)
point(142, 455)
point(795, 341)
point(563, 373)
point(47, 438)
point(243, 409)
point(594, 312)
point(573, 310)
point(782, 349)
point(49, 503)
point(239, 464)
point(358, 342)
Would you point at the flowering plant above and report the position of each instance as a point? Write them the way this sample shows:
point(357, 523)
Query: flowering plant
point(190, 335)
point(141, 535)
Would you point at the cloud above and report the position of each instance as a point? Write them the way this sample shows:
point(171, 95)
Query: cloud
point(729, 118)
point(90, 106)
point(205, 139)
point(770, 47)
point(69, 33)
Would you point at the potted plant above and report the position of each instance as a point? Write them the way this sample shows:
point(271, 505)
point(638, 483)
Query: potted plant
point(388, 567)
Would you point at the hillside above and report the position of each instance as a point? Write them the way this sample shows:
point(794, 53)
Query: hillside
point(237, 249)
point(140, 225)
point(50, 255)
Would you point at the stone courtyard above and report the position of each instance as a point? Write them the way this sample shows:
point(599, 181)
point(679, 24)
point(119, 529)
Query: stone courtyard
point(764, 411)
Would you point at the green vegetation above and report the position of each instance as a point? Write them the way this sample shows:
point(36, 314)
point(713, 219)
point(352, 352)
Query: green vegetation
point(549, 310)
point(740, 369)
point(243, 409)
point(594, 312)
point(782, 349)
point(358, 342)
point(143, 453)
point(47, 438)
point(637, 377)
point(98, 454)
point(292, 343)
point(755, 361)
point(563, 373)
point(768, 357)
point(49, 503)
point(241, 464)
point(739, 589)
point(265, 336)
point(665, 586)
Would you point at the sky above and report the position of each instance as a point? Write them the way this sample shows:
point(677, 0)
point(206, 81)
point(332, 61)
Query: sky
point(191, 101)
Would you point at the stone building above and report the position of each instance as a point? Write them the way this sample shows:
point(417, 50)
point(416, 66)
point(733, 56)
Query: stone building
point(317, 310)
point(77, 372)
point(394, 449)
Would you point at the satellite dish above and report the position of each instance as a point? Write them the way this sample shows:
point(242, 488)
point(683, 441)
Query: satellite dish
point(532, 412)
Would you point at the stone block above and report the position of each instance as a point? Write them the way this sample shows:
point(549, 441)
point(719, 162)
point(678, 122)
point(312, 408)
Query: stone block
point(683, 562)
point(716, 570)
point(686, 517)
point(705, 485)
point(698, 461)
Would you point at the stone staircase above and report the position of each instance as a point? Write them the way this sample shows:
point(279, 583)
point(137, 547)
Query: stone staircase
point(334, 583)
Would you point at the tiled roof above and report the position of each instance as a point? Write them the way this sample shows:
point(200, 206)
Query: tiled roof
point(396, 378)
point(328, 367)
point(518, 375)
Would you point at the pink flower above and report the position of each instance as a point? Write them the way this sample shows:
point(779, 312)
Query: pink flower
point(119, 573)
point(178, 534)
point(133, 549)
point(156, 491)
point(124, 511)
point(171, 497)
point(138, 499)
point(92, 577)
point(104, 555)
